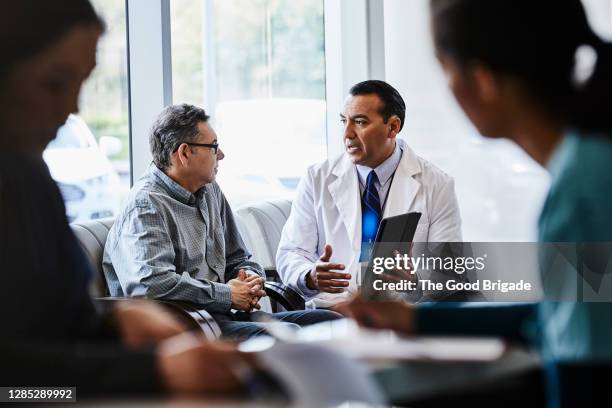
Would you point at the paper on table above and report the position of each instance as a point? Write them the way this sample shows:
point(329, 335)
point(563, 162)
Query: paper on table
point(316, 376)
point(346, 337)
point(438, 349)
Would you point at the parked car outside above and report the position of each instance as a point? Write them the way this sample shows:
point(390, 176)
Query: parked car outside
point(88, 183)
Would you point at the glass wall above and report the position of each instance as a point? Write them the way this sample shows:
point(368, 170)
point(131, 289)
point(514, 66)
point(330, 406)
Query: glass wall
point(258, 68)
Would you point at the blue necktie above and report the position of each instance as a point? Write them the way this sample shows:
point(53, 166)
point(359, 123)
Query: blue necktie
point(370, 216)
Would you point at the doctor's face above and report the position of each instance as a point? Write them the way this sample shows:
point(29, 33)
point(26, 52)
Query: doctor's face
point(368, 140)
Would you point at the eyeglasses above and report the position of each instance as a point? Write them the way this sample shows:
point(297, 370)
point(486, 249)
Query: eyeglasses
point(214, 146)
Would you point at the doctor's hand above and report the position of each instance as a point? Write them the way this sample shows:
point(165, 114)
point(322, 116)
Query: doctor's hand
point(324, 276)
point(405, 272)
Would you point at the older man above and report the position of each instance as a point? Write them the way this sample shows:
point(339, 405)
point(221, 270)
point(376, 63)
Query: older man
point(341, 201)
point(177, 239)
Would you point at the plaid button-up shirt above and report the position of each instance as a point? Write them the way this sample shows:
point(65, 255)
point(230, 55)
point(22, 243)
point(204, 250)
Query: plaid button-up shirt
point(169, 243)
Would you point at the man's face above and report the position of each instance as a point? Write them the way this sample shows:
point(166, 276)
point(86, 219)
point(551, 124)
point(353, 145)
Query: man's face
point(204, 162)
point(367, 138)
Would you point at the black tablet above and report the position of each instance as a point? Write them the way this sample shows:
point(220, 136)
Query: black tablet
point(400, 228)
point(394, 234)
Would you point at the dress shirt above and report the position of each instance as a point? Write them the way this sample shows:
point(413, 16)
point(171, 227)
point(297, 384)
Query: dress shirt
point(169, 243)
point(384, 172)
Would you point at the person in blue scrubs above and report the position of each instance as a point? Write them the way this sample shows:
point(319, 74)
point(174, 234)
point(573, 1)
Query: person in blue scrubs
point(534, 73)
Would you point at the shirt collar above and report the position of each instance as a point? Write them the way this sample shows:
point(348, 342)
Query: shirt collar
point(174, 189)
point(385, 170)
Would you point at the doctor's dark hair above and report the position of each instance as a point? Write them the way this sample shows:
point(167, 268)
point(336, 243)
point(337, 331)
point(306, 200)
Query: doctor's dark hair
point(28, 27)
point(393, 104)
point(175, 125)
point(539, 43)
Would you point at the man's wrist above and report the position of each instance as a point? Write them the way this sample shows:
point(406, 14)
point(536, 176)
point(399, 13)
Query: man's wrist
point(303, 287)
point(309, 281)
point(223, 296)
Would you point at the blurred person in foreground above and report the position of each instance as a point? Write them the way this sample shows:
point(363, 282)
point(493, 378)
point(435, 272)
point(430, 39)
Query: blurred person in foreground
point(52, 334)
point(543, 81)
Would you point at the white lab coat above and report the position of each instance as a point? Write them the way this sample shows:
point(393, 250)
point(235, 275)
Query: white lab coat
point(327, 210)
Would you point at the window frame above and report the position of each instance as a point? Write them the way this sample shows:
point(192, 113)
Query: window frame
point(346, 22)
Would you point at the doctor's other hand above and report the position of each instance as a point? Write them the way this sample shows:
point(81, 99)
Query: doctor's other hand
point(324, 276)
point(140, 323)
point(392, 315)
point(405, 272)
point(187, 365)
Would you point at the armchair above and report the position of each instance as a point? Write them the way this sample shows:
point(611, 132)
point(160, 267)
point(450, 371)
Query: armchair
point(92, 238)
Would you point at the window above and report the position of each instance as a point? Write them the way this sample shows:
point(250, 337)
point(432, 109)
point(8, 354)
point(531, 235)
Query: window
point(90, 156)
point(500, 189)
point(258, 68)
point(599, 13)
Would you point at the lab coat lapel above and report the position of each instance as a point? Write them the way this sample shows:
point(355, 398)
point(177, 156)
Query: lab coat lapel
point(404, 187)
point(345, 193)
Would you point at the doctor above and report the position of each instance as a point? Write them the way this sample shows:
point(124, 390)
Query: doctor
point(341, 201)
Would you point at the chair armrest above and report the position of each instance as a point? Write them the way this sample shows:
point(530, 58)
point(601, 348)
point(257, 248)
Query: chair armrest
point(272, 275)
point(194, 317)
point(285, 296)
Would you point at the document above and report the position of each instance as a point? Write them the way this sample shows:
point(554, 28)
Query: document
point(345, 336)
point(316, 376)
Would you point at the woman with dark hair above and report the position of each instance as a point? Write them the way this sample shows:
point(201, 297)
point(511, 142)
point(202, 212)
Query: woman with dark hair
point(52, 335)
point(535, 73)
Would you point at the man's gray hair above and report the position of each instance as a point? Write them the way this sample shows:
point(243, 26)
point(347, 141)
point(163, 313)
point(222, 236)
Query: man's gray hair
point(175, 125)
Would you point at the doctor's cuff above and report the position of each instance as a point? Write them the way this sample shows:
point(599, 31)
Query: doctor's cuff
point(303, 288)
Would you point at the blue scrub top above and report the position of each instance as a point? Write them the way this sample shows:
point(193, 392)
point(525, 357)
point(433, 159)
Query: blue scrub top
point(578, 209)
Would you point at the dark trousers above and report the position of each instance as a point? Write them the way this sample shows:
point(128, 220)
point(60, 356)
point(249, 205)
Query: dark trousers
point(241, 325)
